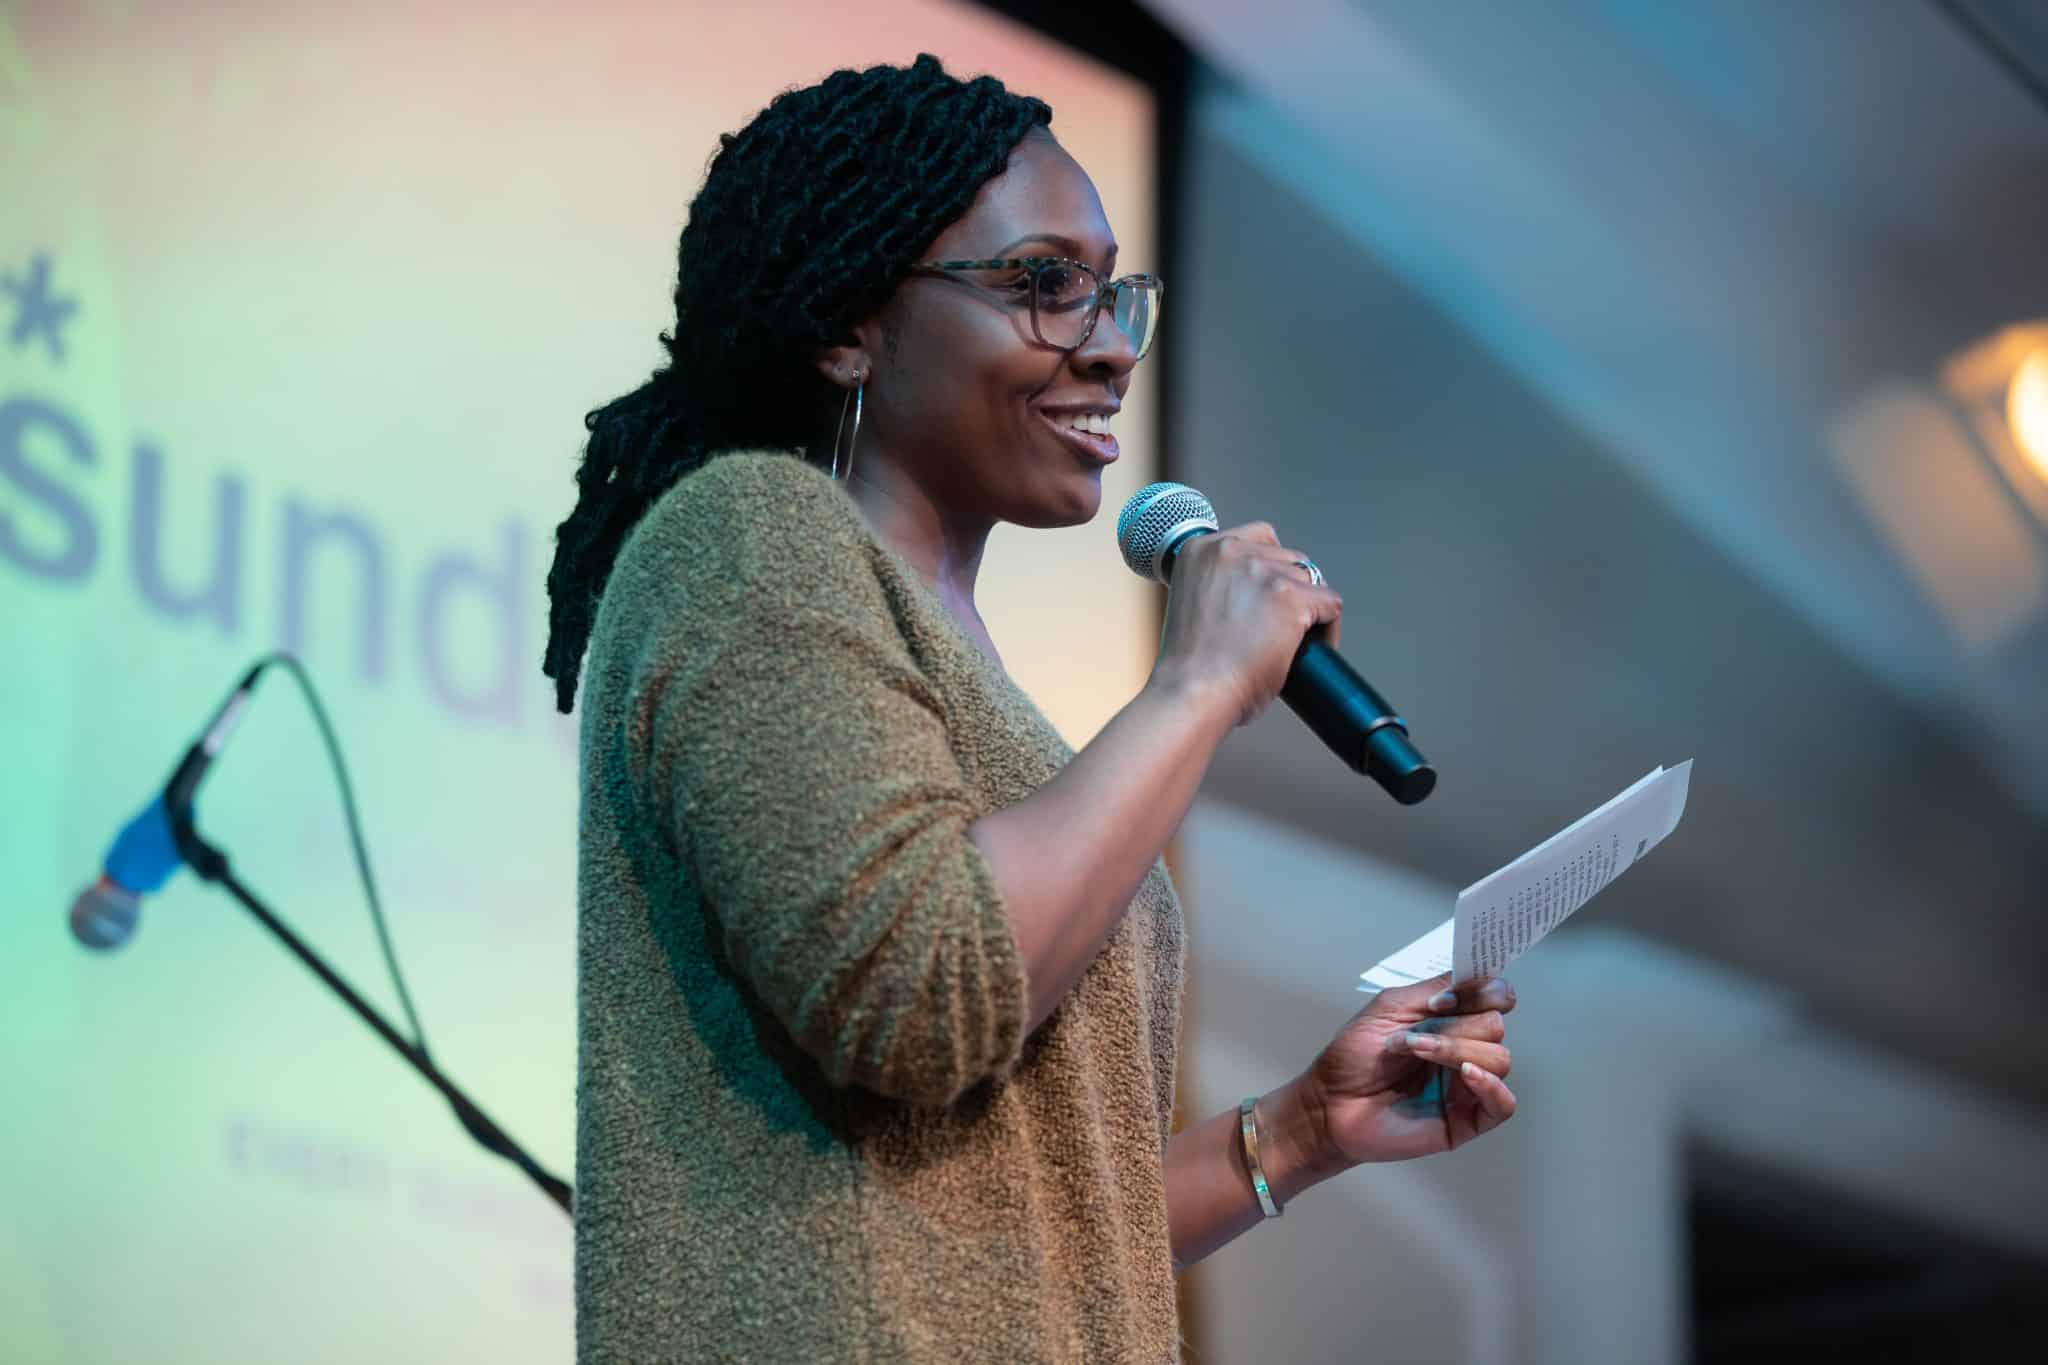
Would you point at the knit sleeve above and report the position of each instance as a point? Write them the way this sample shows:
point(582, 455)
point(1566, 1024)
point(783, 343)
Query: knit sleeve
point(788, 745)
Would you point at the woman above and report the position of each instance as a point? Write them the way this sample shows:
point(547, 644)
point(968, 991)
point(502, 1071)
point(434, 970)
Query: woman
point(879, 981)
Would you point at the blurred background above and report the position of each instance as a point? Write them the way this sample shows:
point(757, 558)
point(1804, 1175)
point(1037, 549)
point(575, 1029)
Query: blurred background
point(1658, 380)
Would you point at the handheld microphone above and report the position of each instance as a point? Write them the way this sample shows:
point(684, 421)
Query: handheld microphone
point(1342, 708)
point(145, 853)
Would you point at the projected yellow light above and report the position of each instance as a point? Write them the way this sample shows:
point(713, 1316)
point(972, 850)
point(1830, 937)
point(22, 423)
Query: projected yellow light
point(2026, 409)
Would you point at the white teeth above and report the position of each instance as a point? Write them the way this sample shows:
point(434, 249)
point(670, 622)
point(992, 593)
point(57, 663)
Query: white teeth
point(1094, 423)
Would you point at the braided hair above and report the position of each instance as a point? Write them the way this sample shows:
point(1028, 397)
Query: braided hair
point(807, 219)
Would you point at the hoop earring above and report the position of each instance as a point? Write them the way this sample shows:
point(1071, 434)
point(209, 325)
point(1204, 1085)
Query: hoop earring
point(854, 396)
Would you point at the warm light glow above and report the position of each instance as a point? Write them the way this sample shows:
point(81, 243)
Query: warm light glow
point(2026, 409)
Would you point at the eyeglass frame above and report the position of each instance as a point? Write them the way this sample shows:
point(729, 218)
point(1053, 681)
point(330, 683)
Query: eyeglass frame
point(1105, 291)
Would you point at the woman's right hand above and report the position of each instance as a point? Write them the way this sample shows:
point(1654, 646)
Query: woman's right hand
point(1236, 615)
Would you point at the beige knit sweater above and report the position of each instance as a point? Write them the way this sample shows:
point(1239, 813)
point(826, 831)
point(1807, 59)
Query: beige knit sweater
point(810, 1126)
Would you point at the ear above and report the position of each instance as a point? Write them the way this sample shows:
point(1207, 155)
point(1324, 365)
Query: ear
point(847, 362)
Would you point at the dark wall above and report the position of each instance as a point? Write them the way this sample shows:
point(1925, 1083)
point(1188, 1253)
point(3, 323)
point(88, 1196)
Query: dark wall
point(1551, 631)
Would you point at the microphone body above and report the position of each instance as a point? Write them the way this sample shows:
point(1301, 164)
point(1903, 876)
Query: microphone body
point(1355, 721)
point(1342, 708)
point(145, 853)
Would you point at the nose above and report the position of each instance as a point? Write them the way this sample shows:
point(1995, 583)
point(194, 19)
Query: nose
point(1107, 353)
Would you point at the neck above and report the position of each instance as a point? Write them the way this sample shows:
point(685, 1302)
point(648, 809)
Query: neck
point(944, 547)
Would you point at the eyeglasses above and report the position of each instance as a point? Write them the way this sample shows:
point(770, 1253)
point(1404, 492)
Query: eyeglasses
point(1067, 296)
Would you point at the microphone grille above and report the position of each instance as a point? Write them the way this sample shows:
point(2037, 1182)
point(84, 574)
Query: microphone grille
point(1155, 519)
point(104, 915)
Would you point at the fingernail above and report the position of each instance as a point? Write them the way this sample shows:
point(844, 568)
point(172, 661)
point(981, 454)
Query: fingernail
point(1422, 1042)
point(1443, 1000)
point(1469, 1071)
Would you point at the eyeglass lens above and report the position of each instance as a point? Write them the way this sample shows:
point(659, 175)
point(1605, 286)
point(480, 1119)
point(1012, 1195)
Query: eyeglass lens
point(1067, 295)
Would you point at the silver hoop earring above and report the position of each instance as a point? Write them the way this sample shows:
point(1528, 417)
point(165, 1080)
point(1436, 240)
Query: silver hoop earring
point(855, 397)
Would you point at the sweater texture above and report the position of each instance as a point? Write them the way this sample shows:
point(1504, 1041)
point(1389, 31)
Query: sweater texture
point(811, 1125)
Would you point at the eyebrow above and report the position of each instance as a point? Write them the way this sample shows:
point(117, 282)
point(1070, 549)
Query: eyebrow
point(1066, 244)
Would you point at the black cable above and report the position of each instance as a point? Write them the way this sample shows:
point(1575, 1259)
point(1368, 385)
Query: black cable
point(355, 835)
point(211, 864)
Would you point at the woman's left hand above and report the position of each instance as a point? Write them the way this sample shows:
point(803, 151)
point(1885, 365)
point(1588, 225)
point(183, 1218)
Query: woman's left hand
point(1407, 1077)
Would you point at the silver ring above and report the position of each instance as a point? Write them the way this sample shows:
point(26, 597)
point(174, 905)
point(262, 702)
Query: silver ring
point(1315, 575)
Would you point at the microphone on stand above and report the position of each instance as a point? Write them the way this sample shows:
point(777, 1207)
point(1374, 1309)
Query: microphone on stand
point(145, 853)
point(153, 845)
point(1356, 722)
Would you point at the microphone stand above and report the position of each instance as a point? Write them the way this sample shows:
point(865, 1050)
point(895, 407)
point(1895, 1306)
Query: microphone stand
point(210, 864)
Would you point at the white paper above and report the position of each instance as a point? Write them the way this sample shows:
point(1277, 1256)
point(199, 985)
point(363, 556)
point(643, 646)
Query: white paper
point(1428, 956)
point(1502, 916)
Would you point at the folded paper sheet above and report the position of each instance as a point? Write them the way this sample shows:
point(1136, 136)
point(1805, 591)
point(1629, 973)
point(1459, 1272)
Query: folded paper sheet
point(1500, 917)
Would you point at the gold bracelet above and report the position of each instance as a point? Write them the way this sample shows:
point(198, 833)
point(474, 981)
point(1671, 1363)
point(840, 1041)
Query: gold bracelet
point(1248, 1128)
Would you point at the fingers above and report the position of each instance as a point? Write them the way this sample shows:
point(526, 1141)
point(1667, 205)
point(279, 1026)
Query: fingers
point(1258, 539)
point(1287, 559)
point(1259, 531)
point(1448, 1051)
point(1284, 574)
point(1242, 607)
point(1437, 996)
point(1496, 1102)
point(1487, 1026)
point(1275, 568)
point(1467, 997)
point(1325, 611)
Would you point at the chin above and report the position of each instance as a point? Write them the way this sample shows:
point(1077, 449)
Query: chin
point(1073, 502)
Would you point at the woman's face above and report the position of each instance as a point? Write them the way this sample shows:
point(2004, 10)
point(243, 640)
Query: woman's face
point(963, 398)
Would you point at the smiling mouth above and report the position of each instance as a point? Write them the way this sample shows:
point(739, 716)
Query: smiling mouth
point(1099, 449)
